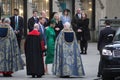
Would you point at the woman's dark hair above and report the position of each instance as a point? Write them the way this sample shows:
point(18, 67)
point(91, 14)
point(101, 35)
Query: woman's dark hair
point(52, 15)
point(66, 10)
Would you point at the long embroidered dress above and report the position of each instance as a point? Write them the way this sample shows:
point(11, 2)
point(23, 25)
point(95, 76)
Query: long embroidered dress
point(67, 58)
point(10, 57)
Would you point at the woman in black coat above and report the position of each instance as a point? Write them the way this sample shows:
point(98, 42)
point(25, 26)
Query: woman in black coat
point(85, 33)
point(58, 25)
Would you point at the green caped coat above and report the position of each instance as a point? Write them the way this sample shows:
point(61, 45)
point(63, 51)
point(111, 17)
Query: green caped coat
point(50, 38)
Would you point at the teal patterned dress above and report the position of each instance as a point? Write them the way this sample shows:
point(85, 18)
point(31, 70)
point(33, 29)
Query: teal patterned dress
point(50, 38)
point(67, 58)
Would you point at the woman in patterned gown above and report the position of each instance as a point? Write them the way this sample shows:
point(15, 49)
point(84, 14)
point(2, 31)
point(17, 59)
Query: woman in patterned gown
point(67, 58)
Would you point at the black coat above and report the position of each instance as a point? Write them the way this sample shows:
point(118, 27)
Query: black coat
point(34, 57)
point(20, 24)
point(85, 30)
point(59, 25)
point(106, 37)
point(78, 23)
point(46, 22)
point(31, 22)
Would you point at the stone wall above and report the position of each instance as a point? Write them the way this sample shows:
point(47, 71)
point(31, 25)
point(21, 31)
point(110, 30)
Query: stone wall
point(55, 6)
point(113, 8)
point(100, 14)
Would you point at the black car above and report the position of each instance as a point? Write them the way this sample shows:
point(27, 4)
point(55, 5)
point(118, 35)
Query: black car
point(111, 59)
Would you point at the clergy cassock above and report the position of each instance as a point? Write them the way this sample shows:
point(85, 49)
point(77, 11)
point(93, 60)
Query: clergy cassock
point(33, 52)
point(10, 57)
point(67, 58)
point(50, 38)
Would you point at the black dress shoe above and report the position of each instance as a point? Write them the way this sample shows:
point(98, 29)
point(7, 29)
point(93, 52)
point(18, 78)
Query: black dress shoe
point(81, 53)
point(64, 76)
point(85, 53)
point(39, 76)
point(7, 75)
point(33, 76)
point(98, 75)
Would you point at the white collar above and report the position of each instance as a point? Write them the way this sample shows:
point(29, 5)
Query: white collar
point(107, 26)
point(35, 17)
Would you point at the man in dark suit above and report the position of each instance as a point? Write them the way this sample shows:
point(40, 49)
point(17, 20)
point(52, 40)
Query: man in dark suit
point(43, 14)
point(42, 28)
point(106, 37)
point(17, 25)
point(77, 23)
point(31, 21)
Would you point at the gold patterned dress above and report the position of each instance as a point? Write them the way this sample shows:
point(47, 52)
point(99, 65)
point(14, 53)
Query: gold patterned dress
point(67, 58)
point(10, 57)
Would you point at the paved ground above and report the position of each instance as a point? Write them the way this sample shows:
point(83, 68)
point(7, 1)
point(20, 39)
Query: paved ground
point(90, 62)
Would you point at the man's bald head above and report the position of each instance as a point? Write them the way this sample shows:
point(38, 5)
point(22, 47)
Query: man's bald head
point(79, 10)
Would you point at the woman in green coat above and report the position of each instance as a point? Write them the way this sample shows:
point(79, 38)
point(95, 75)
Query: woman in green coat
point(50, 37)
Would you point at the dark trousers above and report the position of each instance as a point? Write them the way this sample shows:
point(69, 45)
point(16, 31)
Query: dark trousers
point(19, 40)
point(83, 46)
point(101, 65)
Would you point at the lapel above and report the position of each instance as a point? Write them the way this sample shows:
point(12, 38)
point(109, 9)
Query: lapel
point(77, 17)
point(33, 19)
point(40, 28)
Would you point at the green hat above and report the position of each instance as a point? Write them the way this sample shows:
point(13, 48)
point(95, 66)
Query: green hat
point(52, 21)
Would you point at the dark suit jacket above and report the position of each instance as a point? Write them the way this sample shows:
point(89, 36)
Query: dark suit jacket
point(31, 23)
point(76, 23)
point(106, 37)
point(46, 22)
point(20, 24)
point(43, 33)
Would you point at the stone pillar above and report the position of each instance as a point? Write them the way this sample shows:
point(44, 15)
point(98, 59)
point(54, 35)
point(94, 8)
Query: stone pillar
point(77, 4)
point(112, 8)
point(100, 14)
point(29, 9)
point(0, 8)
point(56, 6)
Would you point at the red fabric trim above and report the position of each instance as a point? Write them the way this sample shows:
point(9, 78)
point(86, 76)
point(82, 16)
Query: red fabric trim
point(9, 72)
point(34, 32)
point(42, 45)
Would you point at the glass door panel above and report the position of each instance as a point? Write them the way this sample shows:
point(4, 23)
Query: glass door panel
point(41, 5)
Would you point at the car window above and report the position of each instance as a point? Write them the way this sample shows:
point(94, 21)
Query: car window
point(117, 36)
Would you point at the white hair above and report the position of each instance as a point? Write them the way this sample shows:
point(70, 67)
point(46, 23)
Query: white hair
point(67, 24)
point(7, 20)
point(36, 26)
